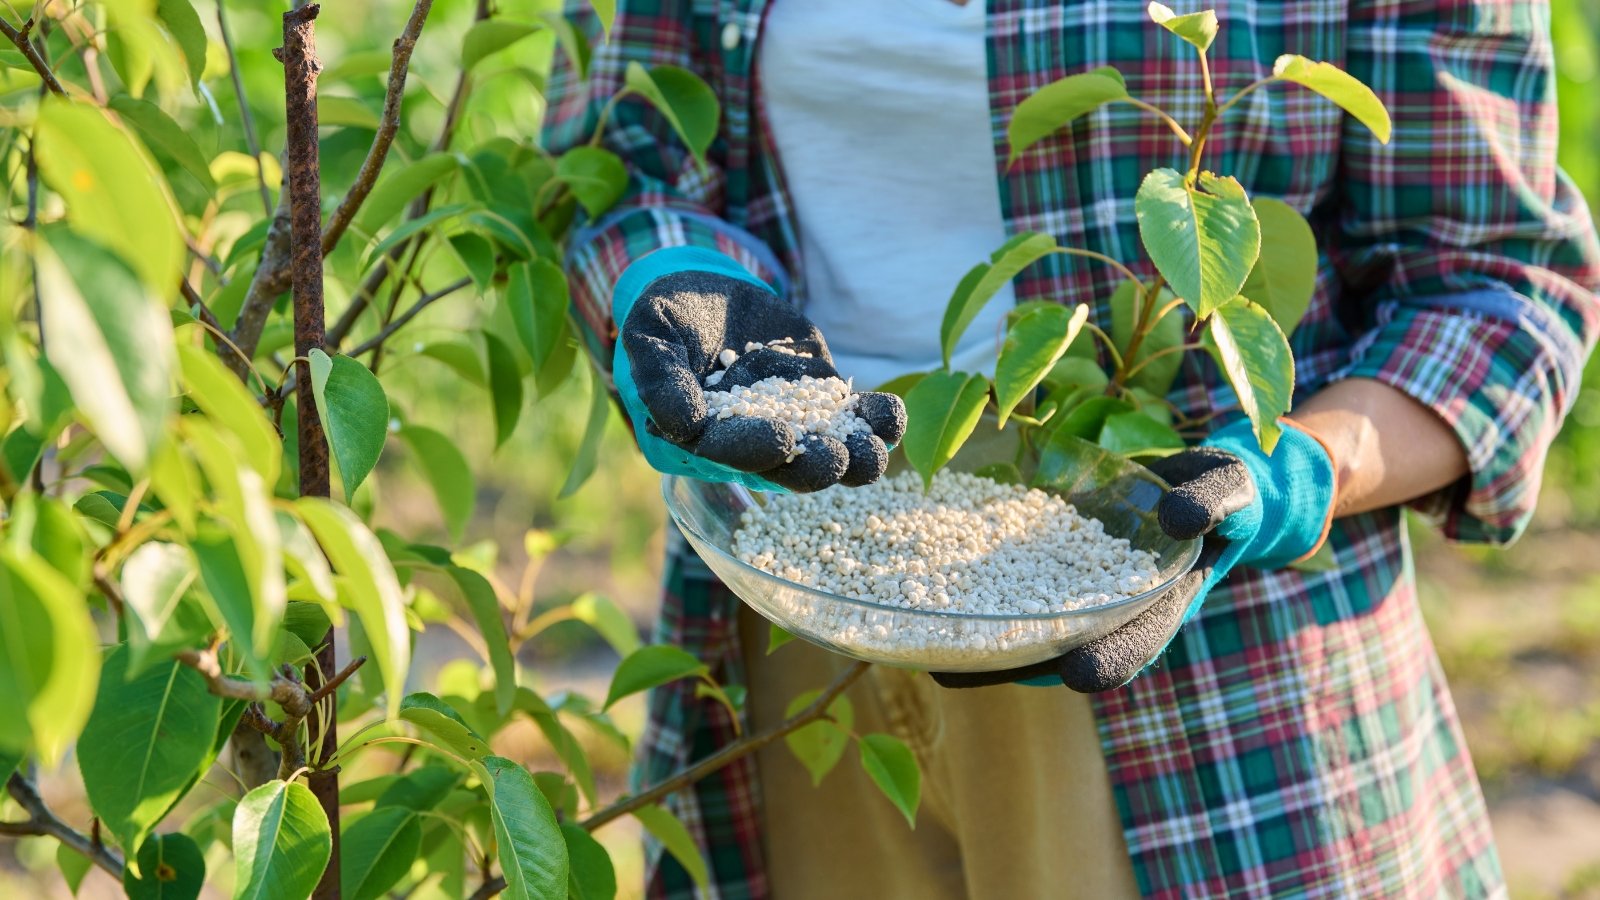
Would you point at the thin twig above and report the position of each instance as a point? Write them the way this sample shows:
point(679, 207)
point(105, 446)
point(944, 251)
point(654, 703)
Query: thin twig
point(31, 53)
point(816, 710)
point(387, 126)
point(244, 108)
point(41, 821)
point(1161, 114)
point(400, 321)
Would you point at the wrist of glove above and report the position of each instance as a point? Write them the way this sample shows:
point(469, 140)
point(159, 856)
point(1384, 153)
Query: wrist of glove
point(677, 310)
point(1250, 509)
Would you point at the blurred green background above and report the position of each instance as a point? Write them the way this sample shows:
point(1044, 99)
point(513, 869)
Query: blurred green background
point(1518, 630)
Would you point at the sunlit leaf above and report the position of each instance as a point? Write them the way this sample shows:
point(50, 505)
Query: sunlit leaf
point(894, 770)
point(1199, 29)
point(609, 621)
point(532, 850)
point(355, 415)
point(490, 36)
point(73, 865)
point(1339, 86)
point(114, 193)
point(941, 413)
point(1203, 239)
point(1051, 107)
point(820, 745)
point(536, 297)
point(592, 875)
point(686, 102)
point(333, 111)
point(665, 827)
point(486, 612)
point(1136, 434)
point(51, 658)
point(281, 843)
point(1285, 276)
point(1255, 357)
point(158, 130)
point(155, 579)
point(184, 25)
point(398, 186)
point(110, 340)
point(984, 280)
point(226, 400)
point(595, 176)
point(776, 637)
point(1155, 375)
point(445, 724)
point(606, 10)
point(1032, 346)
point(650, 667)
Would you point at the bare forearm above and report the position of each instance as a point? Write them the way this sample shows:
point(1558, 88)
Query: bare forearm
point(1388, 448)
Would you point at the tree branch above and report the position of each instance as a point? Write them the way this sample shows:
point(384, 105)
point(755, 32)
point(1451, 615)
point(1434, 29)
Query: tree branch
point(31, 53)
point(401, 320)
point(244, 107)
point(387, 126)
point(818, 709)
point(41, 821)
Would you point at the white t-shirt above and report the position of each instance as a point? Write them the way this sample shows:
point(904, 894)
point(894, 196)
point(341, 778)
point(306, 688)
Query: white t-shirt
point(880, 113)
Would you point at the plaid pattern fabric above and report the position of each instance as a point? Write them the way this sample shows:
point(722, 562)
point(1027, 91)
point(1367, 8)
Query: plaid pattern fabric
point(1298, 740)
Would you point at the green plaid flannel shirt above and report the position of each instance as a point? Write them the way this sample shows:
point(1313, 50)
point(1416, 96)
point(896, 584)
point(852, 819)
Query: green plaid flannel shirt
point(1298, 739)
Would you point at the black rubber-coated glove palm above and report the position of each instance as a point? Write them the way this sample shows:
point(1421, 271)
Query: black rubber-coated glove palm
point(1208, 486)
point(673, 335)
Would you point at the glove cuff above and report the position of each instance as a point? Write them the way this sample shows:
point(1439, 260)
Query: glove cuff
point(1295, 487)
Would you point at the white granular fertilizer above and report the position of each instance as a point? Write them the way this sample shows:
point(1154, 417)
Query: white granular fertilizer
point(970, 545)
point(824, 406)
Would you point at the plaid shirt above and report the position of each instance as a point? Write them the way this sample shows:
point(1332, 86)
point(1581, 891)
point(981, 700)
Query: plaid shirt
point(1298, 739)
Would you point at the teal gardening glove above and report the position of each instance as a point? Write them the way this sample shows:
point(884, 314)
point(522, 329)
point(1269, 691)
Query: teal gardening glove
point(1251, 509)
point(677, 309)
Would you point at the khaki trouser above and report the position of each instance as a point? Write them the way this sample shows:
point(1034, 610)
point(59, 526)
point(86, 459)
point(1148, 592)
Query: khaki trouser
point(1016, 804)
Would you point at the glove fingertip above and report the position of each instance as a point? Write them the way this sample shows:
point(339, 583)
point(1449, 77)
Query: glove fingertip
point(885, 413)
point(869, 457)
point(747, 443)
point(821, 465)
point(1184, 516)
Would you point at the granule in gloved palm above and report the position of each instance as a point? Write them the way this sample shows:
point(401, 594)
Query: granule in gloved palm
point(969, 546)
point(819, 406)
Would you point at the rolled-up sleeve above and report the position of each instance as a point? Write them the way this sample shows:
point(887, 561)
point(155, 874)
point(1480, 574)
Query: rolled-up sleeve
point(670, 200)
point(1473, 259)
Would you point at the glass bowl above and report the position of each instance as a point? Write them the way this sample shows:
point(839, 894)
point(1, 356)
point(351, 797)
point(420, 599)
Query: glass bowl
point(1120, 493)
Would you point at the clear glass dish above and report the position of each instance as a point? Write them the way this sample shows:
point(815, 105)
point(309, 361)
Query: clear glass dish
point(1120, 493)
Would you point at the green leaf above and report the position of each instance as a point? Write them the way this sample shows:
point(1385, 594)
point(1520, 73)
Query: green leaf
point(1058, 103)
point(568, 750)
point(776, 637)
point(159, 130)
point(305, 562)
point(686, 102)
point(1339, 86)
point(114, 193)
point(171, 867)
point(1136, 434)
point(110, 340)
point(941, 413)
point(441, 720)
point(1156, 376)
point(666, 828)
point(50, 660)
point(505, 388)
point(1033, 345)
point(376, 852)
point(460, 357)
point(609, 621)
point(491, 36)
point(334, 111)
point(650, 667)
point(281, 843)
point(536, 298)
point(606, 11)
point(1285, 276)
point(225, 399)
point(1199, 29)
point(984, 280)
point(184, 25)
point(486, 613)
point(532, 851)
point(596, 177)
point(155, 580)
point(894, 770)
point(307, 621)
point(1087, 418)
point(355, 415)
point(1204, 240)
point(592, 875)
point(447, 472)
point(477, 257)
point(594, 431)
point(359, 64)
point(820, 745)
point(573, 42)
point(370, 588)
point(427, 222)
point(400, 186)
point(1255, 357)
point(420, 790)
point(144, 743)
point(73, 865)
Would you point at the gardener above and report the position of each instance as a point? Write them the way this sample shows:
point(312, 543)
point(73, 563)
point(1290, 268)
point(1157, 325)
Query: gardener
point(1296, 736)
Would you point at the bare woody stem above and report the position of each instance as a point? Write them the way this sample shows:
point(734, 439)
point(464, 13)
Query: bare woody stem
point(245, 118)
point(31, 54)
point(41, 821)
point(818, 709)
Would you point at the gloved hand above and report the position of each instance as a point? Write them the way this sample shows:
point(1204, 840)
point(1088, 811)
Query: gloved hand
point(1252, 509)
point(677, 310)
